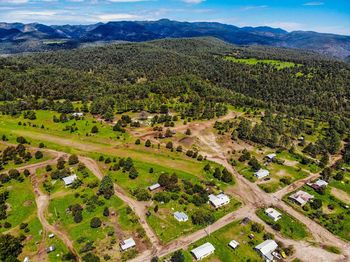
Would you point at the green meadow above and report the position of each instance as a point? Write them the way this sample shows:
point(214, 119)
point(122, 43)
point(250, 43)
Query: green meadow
point(289, 226)
point(253, 61)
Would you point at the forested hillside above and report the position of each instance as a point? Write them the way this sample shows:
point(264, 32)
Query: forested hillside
point(195, 72)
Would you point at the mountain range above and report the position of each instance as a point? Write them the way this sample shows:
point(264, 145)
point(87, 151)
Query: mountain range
point(18, 37)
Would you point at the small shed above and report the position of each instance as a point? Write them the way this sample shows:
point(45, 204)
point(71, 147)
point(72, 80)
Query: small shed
point(127, 244)
point(270, 157)
point(180, 216)
point(154, 187)
point(234, 244)
point(50, 249)
point(261, 173)
point(273, 214)
point(203, 251)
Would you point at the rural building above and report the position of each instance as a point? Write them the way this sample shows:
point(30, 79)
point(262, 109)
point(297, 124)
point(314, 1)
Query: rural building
point(50, 249)
point(273, 214)
point(219, 200)
point(51, 235)
point(154, 187)
point(301, 197)
point(180, 216)
point(69, 179)
point(78, 114)
point(318, 184)
point(143, 115)
point(270, 157)
point(262, 173)
point(127, 243)
point(203, 251)
point(266, 248)
point(26, 259)
point(234, 244)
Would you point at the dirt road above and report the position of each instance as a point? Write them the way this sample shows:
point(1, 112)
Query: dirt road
point(138, 207)
point(42, 203)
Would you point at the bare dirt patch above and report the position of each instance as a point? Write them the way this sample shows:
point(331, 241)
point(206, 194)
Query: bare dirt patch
point(187, 141)
point(27, 203)
point(340, 194)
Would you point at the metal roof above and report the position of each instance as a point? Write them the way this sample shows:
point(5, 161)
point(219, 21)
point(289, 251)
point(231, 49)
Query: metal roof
point(203, 250)
point(127, 243)
point(69, 179)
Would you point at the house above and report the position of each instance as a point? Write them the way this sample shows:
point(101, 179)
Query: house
point(318, 184)
point(270, 157)
point(69, 179)
point(50, 249)
point(266, 248)
point(234, 244)
point(273, 214)
point(203, 251)
point(78, 114)
point(219, 200)
point(262, 173)
point(301, 197)
point(154, 187)
point(127, 244)
point(180, 216)
point(51, 235)
point(26, 259)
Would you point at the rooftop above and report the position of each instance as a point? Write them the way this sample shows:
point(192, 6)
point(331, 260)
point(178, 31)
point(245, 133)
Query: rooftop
point(127, 243)
point(203, 250)
point(69, 179)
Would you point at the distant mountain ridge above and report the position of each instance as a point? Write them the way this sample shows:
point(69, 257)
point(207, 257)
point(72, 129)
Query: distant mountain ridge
point(18, 37)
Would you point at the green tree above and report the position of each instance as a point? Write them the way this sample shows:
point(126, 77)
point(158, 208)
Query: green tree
point(106, 187)
point(73, 160)
point(10, 247)
point(95, 222)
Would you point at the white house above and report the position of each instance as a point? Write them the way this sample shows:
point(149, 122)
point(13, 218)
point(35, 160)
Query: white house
point(219, 200)
point(234, 244)
point(180, 216)
point(266, 248)
point(203, 251)
point(78, 114)
point(154, 187)
point(271, 156)
point(301, 197)
point(262, 173)
point(26, 259)
point(273, 214)
point(127, 243)
point(51, 235)
point(321, 183)
point(50, 249)
point(69, 179)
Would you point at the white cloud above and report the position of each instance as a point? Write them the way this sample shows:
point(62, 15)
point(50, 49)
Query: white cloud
point(313, 3)
point(115, 17)
point(193, 1)
point(14, 1)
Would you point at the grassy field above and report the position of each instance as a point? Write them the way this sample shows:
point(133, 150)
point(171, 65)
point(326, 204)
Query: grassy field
point(290, 227)
point(333, 214)
point(168, 228)
point(253, 61)
point(121, 223)
point(220, 240)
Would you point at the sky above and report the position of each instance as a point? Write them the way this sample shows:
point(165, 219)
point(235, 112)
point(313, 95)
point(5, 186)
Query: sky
point(328, 16)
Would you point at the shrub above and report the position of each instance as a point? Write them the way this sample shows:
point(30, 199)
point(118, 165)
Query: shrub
point(73, 159)
point(95, 222)
point(94, 130)
point(38, 155)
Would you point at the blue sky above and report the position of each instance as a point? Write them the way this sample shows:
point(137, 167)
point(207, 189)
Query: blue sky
point(331, 16)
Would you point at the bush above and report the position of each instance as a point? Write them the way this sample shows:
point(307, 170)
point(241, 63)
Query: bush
point(26, 172)
point(148, 143)
point(258, 228)
point(94, 130)
point(73, 160)
point(137, 142)
point(106, 212)
point(95, 222)
point(38, 155)
point(21, 140)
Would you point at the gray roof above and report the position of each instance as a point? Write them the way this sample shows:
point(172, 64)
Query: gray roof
point(69, 179)
point(180, 216)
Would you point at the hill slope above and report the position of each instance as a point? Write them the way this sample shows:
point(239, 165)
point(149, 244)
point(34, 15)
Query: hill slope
point(136, 31)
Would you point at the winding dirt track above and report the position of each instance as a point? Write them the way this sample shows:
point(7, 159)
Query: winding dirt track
point(42, 202)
